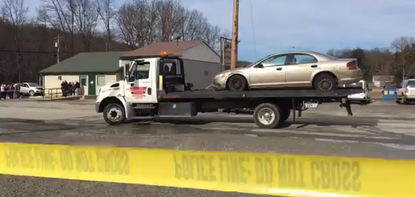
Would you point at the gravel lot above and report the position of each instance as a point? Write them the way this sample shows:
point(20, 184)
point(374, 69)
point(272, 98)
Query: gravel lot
point(380, 130)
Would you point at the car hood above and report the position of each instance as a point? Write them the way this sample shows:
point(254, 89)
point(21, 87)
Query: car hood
point(230, 71)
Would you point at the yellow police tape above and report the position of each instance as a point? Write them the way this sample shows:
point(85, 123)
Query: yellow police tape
point(258, 173)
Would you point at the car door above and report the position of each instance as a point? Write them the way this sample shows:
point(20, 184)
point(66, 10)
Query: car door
point(269, 73)
point(24, 89)
point(300, 69)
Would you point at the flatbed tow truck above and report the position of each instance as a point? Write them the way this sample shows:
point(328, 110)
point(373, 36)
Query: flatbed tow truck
point(155, 87)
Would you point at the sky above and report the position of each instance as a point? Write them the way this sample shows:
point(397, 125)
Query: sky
point(319, 25)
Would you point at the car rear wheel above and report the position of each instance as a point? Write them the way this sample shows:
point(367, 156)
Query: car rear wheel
point(237, 83)
point(324, 82)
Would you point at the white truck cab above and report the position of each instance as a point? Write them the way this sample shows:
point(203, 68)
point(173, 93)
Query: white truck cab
point(140, 88)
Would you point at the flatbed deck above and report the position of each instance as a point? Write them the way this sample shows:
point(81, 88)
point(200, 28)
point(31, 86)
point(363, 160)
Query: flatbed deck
point(224, 95)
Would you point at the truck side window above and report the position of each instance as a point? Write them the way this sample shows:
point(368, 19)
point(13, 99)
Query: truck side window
point(140, 70)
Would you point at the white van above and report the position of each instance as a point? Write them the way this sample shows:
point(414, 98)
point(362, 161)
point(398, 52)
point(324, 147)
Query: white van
point(365, 96)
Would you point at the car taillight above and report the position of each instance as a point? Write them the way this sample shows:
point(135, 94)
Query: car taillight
point(351, 65)
point(406, 90)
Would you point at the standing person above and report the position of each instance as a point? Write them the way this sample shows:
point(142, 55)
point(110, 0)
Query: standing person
point(77, 87)
point(18, 93)
point(6, 91)
point(1, 91)
point(11, 91)
point(70, 87)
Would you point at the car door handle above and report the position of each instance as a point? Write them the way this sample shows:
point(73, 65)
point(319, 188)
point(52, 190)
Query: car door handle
point(313, 66)
point(279, 68)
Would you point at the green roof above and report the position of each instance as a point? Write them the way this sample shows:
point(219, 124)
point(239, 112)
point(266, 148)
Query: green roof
point(93, 62)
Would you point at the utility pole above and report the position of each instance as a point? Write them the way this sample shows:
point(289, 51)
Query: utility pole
point(57, 43)
point(235, 29)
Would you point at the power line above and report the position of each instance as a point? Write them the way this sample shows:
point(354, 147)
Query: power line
point(253, 29)
point(36, 52)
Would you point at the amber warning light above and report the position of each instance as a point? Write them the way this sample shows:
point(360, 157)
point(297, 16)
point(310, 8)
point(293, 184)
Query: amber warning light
point(165, 53)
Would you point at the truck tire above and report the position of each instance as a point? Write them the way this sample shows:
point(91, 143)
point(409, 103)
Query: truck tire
point(114, 114)
point(267, 116)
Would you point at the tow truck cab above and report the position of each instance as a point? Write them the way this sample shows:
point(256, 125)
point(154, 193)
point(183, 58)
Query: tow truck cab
point(143, 82)
point(156, 87)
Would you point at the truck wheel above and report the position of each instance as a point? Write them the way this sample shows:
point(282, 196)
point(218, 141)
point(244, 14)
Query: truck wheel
point(237, 83)
point(114, 114)
point(267, 116)
point(324, 82)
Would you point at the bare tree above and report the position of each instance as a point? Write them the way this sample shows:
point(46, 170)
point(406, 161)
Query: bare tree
point(86, 19)
point(379, 62)
point(192, 20)
point(137, 22)
point(59, 14)
point(404, 54)
point(212, 37)
point(169, 12)
point(129, 20)
point(15, 12)
point(107, 13)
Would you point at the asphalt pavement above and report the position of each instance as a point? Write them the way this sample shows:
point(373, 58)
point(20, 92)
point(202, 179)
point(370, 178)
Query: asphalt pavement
point(382, 129)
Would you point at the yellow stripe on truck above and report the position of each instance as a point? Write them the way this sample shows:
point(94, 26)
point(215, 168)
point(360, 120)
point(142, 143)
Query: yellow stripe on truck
point(257, 173)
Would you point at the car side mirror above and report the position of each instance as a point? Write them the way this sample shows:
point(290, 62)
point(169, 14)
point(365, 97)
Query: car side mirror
point(259, 66)
point(130, 78)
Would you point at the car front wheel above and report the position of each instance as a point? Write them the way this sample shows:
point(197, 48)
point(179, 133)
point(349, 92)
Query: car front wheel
point(237, 83)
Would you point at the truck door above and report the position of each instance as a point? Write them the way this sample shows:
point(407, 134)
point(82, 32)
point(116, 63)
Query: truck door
point(139, 87)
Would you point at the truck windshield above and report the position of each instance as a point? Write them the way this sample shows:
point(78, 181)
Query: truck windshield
point(139, 70)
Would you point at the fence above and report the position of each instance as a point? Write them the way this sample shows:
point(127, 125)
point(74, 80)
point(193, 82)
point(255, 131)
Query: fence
point(53, 93)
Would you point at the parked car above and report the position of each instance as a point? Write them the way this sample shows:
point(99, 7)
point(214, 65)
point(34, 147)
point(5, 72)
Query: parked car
point(363, 97)
point(31, 89)
point(405, 93)
point(291, 69)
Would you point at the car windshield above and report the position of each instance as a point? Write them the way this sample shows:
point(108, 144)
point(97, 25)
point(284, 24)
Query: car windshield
point(260, 60)
point(411, 84)
point(32, 84)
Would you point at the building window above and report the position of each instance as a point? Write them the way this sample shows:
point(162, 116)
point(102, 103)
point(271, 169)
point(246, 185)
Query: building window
point(206, 73)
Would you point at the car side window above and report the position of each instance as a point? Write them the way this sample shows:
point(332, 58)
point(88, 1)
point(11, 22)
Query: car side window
point(275, 61)
point(304, 59)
